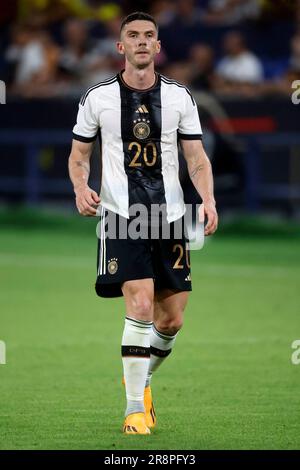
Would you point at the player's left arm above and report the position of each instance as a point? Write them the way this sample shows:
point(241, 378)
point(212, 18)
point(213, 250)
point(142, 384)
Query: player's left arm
point(200, 172)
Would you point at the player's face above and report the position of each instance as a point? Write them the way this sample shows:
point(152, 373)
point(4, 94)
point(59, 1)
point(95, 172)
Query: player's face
point(139, 43)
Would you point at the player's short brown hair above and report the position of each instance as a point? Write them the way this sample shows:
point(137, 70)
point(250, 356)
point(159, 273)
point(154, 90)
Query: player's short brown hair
point(138, 15)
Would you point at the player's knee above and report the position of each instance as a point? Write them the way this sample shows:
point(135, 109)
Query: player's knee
point(143, 306)
point(170, 326)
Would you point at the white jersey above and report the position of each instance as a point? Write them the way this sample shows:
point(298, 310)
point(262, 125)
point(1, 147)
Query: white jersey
point(139, 132)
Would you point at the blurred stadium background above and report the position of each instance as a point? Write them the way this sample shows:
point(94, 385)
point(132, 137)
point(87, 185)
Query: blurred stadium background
point(231, 373)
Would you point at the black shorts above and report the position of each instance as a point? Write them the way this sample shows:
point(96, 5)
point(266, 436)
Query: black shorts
point(166, 260)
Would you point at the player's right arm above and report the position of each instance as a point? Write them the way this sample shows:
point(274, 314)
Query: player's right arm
point(84, 134)
point(79, 170)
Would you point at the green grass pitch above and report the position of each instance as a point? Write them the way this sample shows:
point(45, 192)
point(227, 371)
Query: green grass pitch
point(229, 383)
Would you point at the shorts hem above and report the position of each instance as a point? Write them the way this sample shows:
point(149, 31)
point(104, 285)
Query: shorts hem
point(113, 289)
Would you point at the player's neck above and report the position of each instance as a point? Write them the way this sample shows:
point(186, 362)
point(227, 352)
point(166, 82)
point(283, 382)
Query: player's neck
point(139, 79)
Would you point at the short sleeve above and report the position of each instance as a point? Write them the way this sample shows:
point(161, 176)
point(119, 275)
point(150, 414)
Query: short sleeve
point(86, 127)
point(189, 126)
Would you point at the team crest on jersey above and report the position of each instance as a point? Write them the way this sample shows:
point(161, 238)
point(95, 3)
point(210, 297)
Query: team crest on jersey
point(112, 266)
point(141, 127)
point(141, 130)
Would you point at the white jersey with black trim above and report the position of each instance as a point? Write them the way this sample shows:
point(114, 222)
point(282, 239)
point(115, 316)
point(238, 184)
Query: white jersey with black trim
point(139, 131)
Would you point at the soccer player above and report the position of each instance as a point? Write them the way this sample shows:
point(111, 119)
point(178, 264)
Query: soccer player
point(139, 116)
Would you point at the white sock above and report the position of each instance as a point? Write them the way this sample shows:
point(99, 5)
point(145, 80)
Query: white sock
point(160, 347)
point(135, 358)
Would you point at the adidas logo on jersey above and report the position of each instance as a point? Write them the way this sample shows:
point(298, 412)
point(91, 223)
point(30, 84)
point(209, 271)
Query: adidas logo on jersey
point(142, 109)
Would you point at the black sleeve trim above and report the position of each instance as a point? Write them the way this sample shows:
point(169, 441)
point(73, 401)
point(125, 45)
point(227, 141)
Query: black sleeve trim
point(189, 136)
point(84, 139)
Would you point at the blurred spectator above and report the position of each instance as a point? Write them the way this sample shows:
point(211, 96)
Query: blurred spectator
point(106, 47)
point(182, 30)
point(89, 30)
point(284, 84)
point(240, 70)
point(80, 57)
point(230, 12)
point(163, 11)
point(49, 11)
point(44, 12)
point(202, 61)
point(279, 10)
point(179, 71)
point(32, 56)
point(187, 12)
point(93, 9)
point(295, 54)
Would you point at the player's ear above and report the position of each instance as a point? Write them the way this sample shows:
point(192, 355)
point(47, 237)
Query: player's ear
point(158, 47)
point(120, 48)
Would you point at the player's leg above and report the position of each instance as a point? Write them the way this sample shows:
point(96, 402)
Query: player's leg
point(168, 319)
point(138, 296)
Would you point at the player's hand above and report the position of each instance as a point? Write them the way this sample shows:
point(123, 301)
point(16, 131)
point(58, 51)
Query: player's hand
point(87, 201)
point(210, 212)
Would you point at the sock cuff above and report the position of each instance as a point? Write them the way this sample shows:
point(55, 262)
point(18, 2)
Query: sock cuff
point(138, 323)
point(162, 335)
point(136, 333)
